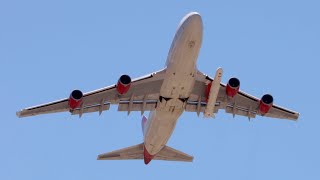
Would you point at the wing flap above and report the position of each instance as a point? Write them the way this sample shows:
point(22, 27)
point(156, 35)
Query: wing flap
point(278, 112)
point(53, 107)
point(137, 106)
point(90, 109)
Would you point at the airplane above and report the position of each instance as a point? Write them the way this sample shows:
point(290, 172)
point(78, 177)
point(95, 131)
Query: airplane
point(178, 87)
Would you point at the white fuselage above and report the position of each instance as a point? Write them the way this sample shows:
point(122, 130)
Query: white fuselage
point(177, 85)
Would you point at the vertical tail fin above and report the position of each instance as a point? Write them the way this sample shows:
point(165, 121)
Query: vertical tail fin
point(143, 123)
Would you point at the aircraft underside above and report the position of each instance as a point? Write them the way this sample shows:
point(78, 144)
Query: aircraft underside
point(167, 93)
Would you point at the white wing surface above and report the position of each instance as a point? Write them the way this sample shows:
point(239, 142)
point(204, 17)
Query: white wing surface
point(142, 96)
point(242, 104)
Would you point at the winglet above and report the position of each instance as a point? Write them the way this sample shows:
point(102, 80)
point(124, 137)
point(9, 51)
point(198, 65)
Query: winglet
point(18, 113)
point(143, 123)
point(296, 116)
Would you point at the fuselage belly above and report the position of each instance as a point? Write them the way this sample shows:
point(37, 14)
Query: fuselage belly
point(177, 85)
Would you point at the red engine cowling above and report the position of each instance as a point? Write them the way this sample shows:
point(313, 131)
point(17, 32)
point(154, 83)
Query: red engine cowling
point(123, 84)
point(265, 103)
point(75, 99)
point(233, 87)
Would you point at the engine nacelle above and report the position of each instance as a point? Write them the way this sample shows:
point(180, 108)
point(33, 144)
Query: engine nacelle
point(233, 87)
point(123, 84)
point(75, 99)
point(265, 103)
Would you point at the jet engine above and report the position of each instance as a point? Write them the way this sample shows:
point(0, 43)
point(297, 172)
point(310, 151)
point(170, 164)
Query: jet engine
point(265, 103)
point(233, 87)
point(123, 84)
point(75, 99)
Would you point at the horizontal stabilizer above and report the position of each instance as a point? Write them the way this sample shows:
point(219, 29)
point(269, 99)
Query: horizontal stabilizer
point(132, 152)
point(136, 152)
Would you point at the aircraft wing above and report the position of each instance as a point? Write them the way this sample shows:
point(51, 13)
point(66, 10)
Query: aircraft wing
point(142, 96)
point(242, 104)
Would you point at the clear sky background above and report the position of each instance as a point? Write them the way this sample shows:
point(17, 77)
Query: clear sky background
point(47, 49)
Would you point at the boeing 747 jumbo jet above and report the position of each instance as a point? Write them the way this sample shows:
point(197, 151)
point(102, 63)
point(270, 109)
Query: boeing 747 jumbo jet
point(167, 93)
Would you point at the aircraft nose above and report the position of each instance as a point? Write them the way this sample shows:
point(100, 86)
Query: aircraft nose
point(193, 19)
point(192, 25)
point(193, 15)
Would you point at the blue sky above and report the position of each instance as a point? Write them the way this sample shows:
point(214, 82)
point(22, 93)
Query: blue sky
point(49, 48)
